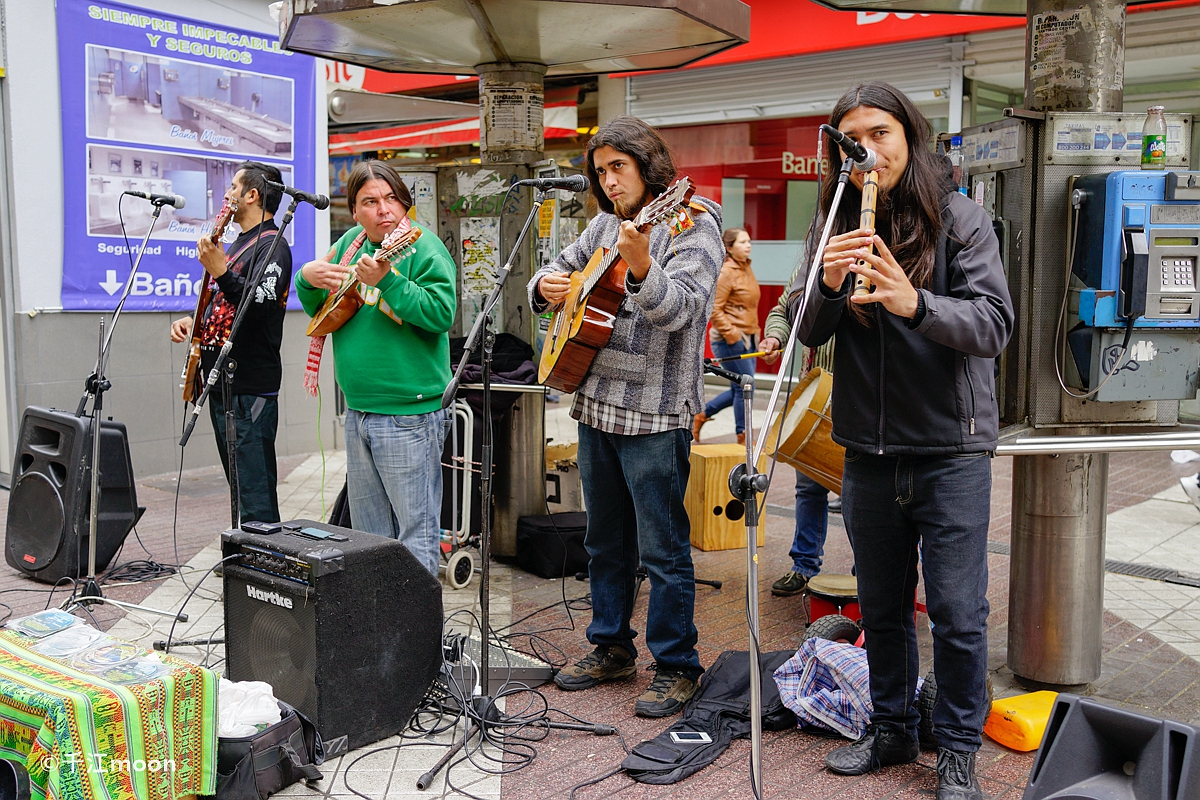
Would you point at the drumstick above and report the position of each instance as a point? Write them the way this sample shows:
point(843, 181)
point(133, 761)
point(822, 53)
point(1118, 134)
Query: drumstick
point(866, 219)
point(758, 354)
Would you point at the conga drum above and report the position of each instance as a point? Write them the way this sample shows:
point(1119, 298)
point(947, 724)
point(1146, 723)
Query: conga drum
point(806, 442)
point(832, 594)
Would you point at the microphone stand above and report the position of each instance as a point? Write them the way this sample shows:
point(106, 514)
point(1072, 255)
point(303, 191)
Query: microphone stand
point(746, 483)
point(94, 387)
point(484, 706)
point(226, 366)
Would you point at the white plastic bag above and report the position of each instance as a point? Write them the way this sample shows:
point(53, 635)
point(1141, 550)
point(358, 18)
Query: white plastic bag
point(245, 708)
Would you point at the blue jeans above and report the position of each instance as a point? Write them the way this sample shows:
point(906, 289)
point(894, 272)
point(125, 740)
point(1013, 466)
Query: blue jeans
point(733, 395)
point(890, 504)
point(633, 487)
point(394, 478)
point(812, 523)
point(255, 420)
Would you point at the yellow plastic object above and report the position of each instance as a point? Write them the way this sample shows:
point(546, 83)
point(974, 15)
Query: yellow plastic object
point(1019, 722)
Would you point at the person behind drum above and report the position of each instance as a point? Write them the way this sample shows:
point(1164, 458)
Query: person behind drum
point(812, 499)
point(393, 362)
point(635, 410)
point(914, 405)
point(734, 329)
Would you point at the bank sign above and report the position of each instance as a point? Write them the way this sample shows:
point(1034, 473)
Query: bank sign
point(158, 104)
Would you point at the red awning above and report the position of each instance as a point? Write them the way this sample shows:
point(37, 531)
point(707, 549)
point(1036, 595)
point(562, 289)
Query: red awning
point(559, 120)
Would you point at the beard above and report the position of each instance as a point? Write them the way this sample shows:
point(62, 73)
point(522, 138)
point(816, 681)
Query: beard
point(628, 211)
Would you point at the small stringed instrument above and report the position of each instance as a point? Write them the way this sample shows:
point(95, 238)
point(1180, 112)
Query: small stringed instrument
point(191, 372)
point(866, 219)
point(582, 326)
point(344, 303)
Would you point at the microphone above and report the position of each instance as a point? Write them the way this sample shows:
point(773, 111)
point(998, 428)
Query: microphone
point(319, 201)
point(864, 159)
point(176, 201)
point(572, 183)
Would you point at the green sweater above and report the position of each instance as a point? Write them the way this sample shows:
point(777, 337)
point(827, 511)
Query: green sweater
point(385, 366)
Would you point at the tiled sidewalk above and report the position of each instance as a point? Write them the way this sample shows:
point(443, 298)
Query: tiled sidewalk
point(1152, 637)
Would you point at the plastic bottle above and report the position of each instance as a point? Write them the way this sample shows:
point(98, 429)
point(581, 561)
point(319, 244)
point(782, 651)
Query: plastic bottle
point(1154, 139)
point(959, 162)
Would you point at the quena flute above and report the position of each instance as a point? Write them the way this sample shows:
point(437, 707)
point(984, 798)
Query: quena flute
point(866, 219)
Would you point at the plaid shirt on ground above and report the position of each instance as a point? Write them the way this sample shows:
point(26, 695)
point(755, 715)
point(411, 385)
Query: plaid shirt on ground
point(621, 421)
point(827, 684)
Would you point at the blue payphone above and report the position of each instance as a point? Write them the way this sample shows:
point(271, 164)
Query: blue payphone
point(1136, 247)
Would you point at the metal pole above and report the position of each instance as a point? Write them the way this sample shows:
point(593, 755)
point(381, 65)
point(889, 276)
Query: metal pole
point(511, 111)
point(751, 501)
point(1076, 58)
point(1056, 583)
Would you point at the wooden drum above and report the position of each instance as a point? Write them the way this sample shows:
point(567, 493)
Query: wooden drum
point(806, 442)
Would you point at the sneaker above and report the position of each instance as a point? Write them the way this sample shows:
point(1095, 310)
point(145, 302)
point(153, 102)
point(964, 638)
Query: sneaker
point(835, 505)
point(741, 437)
point(880, 747)
point(791, 584)
point(667, 693)
point(605, 663)
point(956, 776)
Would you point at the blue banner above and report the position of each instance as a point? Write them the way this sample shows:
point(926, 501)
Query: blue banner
point(166, 105)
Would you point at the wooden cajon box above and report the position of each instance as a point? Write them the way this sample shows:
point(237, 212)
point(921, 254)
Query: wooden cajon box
point(709, 503)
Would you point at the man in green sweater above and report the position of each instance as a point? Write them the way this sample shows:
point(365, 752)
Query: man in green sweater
point(392, 361)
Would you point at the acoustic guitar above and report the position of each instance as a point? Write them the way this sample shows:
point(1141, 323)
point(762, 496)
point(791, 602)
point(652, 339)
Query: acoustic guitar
point(191, 372)
point(345, 302)
point(582, 326)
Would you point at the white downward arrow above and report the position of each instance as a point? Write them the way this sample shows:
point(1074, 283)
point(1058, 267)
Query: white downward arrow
point(110, 283)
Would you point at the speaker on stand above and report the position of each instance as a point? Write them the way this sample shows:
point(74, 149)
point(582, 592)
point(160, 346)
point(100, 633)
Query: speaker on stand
point(345, 626)
point(49, 508)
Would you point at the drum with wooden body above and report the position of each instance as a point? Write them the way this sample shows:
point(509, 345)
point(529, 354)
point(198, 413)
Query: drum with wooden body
point(806, 442)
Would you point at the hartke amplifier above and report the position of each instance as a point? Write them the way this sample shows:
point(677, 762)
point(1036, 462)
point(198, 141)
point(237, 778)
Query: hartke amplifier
point(49, 510)
point(346, 631)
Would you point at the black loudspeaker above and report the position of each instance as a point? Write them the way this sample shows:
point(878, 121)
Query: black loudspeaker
point(49, 510)
point(1097, 752)
point(347, 630)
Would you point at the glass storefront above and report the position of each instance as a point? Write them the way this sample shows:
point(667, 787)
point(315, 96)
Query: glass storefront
point(764, 174)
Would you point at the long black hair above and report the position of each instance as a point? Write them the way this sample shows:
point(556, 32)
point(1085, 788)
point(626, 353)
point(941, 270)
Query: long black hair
point(913, 207)
point(636, 139)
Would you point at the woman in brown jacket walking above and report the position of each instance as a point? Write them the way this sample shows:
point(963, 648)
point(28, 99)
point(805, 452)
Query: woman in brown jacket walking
point(734, 328)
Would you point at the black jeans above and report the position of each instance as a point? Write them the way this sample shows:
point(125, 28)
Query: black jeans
point(892, 504)
point(256, 420)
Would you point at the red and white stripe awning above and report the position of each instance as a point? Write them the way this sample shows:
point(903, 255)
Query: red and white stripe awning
point(559, 120)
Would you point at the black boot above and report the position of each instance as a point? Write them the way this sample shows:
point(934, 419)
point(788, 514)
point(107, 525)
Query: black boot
point(956, 776)
point(880, 747)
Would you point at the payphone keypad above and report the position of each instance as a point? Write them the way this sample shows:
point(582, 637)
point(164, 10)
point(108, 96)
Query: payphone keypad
point(1179, 274)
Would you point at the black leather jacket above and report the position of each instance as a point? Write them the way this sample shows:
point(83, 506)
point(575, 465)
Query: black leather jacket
point(929, 389)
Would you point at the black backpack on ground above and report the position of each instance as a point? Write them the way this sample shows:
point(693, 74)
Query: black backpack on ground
point(717, 714)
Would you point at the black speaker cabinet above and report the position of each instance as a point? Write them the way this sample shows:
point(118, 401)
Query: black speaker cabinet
point(348, 630)
point(49, 510)
point(1096, 752)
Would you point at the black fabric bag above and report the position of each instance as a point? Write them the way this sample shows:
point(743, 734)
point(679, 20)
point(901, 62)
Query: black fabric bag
point(256, 767)
point(551, 546)
point(718, 712)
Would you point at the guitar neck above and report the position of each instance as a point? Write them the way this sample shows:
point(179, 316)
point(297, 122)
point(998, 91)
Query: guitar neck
point(606, 263)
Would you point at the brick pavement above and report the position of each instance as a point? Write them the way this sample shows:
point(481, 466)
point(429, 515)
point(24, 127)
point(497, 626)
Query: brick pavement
point(1139, 670)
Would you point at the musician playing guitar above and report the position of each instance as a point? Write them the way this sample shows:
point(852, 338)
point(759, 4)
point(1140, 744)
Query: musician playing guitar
point(256, 347)
point(635, 408)
point(392, 361)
